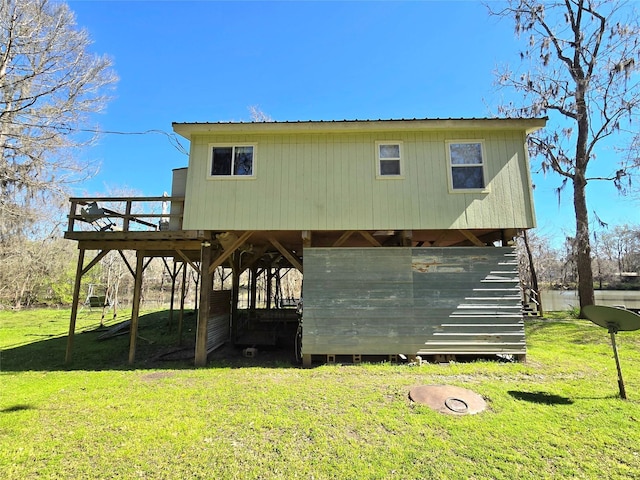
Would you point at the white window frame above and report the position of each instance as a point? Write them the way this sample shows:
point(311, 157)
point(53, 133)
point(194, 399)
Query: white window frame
point(451, 166)
point(379, 160)
point(233, 147)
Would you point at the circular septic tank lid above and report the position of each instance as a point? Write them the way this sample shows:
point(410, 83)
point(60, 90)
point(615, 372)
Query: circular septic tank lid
point(448, 399)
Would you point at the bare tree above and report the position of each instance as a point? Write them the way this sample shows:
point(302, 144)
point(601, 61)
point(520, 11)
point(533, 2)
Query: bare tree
point(49, 84)
point(580, 68)
point(37, 269)
point(538, 254)
point(257, 115)
point(621, 246)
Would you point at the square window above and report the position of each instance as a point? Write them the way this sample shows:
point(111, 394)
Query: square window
point(232, 160)
point(467, 165)
point(389, 159)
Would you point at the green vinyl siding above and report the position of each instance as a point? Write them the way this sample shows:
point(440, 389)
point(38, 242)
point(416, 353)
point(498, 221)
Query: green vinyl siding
point(327, 181)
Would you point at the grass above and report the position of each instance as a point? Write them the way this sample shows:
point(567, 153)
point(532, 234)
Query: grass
point(556, 416)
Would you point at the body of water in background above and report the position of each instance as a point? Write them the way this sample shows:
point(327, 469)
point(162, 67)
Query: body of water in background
point(560, 300)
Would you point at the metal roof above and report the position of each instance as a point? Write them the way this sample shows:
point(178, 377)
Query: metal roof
point(188, 128)
point(367, 120)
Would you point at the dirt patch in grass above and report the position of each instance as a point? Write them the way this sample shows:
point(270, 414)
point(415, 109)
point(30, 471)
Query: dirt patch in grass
point(154, 376)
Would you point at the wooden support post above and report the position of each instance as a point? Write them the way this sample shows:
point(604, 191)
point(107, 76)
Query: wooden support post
point(174, 275)
point(235, 294)
point(74, 306)
point(127, 216)
point(135, 310)
point(277, 296)
point(306, 238)
point(407, 238)
point(254, 286)
point(196, 290)
point(72, 216)
point(206, 286)
point(269, 289)
point(182, 297)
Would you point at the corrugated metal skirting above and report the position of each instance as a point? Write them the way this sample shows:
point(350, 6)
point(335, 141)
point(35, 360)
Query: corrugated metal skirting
point(218, 324)
point(381, 301)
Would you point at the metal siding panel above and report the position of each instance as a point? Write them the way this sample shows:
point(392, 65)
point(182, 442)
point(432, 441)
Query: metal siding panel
point(408, 300)
point(484, 319)
point(347, 316)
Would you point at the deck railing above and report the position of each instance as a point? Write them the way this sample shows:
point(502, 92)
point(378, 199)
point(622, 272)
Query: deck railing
point(125, 214)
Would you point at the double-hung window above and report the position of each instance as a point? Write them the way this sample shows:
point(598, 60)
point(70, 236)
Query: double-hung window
point(466, 165)
point(389, 159)
point(232, 160)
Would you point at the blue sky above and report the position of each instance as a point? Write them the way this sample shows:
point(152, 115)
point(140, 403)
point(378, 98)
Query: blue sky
point(208, 61)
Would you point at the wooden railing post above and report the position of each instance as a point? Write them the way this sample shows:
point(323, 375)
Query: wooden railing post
point(127, 216)
point(72, 215)
point(145, 218)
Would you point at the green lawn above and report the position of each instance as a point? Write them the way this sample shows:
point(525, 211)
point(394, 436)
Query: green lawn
point(557, 416)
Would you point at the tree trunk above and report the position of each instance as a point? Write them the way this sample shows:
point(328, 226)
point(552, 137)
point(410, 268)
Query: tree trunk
point(534, 275)
point(583, 245)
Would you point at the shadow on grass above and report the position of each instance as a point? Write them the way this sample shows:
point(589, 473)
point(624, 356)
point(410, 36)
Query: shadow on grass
point(540, 397)
point(16, 408)
point(157, 347)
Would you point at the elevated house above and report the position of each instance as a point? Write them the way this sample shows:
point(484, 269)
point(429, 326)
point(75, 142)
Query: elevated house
point(403, 230)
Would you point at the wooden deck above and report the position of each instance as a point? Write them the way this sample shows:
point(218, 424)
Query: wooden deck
point(133, 223)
